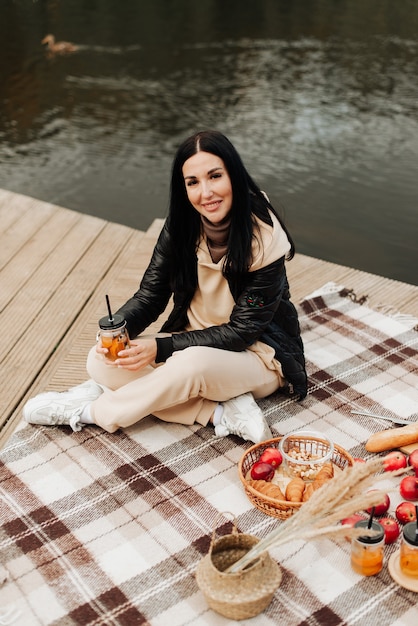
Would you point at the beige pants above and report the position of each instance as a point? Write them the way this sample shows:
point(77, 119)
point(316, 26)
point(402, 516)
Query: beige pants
point(185, 389)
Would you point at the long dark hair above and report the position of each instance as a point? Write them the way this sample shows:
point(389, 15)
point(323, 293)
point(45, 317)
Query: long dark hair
point(184, 222)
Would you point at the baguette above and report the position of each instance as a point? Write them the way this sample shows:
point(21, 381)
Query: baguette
point(392, 438)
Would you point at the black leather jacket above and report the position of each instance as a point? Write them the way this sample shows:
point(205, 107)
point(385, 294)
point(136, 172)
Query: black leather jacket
point(263, 311)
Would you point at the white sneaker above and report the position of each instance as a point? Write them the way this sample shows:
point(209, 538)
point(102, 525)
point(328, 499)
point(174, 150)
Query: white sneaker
point(243, 417)
point(89, 390)
point(61, 409)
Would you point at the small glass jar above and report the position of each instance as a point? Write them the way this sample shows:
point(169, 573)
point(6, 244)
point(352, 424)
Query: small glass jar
point(367, 552)
point(408, 560)
point(113, 335)
point(305, 453)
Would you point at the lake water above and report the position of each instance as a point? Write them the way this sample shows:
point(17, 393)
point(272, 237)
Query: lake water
point(319, 96)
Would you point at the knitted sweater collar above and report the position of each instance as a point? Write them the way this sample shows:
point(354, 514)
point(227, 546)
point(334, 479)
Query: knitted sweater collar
point(217, 237)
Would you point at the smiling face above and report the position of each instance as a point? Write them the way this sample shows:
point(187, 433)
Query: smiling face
point(208, 186)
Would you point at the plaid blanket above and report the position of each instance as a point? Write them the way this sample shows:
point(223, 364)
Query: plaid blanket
point(99, 529)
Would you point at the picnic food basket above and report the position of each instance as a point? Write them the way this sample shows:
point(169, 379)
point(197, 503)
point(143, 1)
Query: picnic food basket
point(283, 509)
point(243, 594)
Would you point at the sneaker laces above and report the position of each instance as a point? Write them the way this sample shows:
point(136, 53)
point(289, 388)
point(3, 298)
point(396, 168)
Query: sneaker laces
point(64, 416)
point(222, 431)
point(237, 427)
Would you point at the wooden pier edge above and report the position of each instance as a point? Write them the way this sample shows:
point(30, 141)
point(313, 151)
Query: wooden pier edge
point(56, 265)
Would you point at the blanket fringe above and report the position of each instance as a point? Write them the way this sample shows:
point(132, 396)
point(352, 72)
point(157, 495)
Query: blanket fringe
point(4, 574)
point(328, 288)
point(350, 293)
point(385, 309)
point(410, 321)
point(10, 615)
point(403, 318)
point(331, 287)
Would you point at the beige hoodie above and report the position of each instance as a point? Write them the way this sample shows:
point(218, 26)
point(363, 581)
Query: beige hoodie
point(213, 302)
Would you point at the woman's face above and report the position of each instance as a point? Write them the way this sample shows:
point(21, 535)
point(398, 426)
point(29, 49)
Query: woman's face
point(208, 186)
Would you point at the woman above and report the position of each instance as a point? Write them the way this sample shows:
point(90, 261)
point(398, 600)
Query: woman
point(232, 335)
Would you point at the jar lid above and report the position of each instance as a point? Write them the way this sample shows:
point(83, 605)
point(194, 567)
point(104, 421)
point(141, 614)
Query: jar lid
point(106, 323)
point(410, 533)
point(374, 526)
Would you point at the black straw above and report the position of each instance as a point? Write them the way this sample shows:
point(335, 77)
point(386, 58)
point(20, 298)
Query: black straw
point(369, 525)
point(109, 309)
point(416, 518)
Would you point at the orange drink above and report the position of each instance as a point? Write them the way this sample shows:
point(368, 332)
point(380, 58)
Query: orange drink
point(367, 552)
point(114, 345)
point(408, 559)
point(113, 335)
point(366, 561)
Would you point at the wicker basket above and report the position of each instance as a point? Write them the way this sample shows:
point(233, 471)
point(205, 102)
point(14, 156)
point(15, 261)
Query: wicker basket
point(282, 508)
point(243, 594)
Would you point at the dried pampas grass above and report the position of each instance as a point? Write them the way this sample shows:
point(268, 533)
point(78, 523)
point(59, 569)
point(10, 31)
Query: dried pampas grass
point(320, 515)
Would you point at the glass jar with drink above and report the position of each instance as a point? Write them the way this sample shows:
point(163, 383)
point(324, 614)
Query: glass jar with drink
point(113, 335)
point(367, 552)
point(408, 559)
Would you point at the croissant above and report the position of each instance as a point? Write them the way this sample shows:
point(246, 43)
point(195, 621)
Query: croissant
point(326, 472)
point(311, 487)
point(268, 489)
point(295, 489)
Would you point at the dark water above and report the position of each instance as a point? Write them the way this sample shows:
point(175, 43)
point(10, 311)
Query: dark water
point(319, 96)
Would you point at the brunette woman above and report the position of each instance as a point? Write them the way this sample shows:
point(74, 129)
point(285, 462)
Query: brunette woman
point(232, 335)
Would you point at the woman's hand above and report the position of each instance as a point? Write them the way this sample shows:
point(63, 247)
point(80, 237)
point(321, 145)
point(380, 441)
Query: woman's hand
point(142, 352)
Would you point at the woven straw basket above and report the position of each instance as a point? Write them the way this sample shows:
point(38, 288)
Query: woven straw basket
point(282, 509)
point(243, 594)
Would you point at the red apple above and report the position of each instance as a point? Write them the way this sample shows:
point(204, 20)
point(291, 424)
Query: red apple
point(273, 456)
point(394, 460)
point(351, 520)
point(391, 528)
point(382, 507)
point(408, 488)
point(413, 460)
point(405, 512)
point(262, 471)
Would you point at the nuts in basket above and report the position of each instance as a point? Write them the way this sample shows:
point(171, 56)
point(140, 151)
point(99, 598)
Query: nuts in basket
point(305, 464)
point(305, 453)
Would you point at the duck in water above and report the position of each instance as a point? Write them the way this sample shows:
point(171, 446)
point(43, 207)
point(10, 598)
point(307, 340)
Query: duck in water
point(58, 47)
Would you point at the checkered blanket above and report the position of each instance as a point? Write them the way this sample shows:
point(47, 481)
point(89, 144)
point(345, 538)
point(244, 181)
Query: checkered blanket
point(100, 529)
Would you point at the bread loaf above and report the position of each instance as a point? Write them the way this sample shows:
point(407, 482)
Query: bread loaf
point(392, 438)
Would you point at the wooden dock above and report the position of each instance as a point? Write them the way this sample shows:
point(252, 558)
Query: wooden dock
point(56, 265)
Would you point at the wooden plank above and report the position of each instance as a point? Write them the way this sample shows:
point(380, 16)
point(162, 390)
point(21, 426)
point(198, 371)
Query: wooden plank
point(28, 219)
point(58, 292)
point(12, 207)
point(47, 277)
point(32, 248)
point(66, 365)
